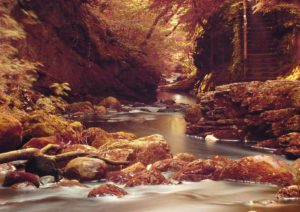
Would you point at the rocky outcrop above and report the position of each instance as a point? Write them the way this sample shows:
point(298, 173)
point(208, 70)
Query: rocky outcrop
point(255, 111)
point(75, 46)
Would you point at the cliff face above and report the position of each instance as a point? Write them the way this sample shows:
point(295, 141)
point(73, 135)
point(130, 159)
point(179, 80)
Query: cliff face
point(258, 111)
point(75, 46)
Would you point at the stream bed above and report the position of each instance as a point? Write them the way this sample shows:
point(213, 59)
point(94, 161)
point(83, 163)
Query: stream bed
point(203, 196)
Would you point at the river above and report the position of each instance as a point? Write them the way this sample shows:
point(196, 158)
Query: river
point(188, 197)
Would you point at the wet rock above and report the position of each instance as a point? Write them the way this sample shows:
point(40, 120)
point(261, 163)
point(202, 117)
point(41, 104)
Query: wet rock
point(134, 168)
point(147, 177)
point(4, 169)
point(292, 152)
point(111, 102)
point(10, 133)
point(260, 169)
point(291, 139)
point(80, 107)
point(119, 154)
point(14, 177)
point(193, 114)
point(173, 165)
point(78, 147)
point(181, 85)
point(100, 110)
point(123, 176)
point(85, 169)
point(201, 170)
point(46, 180)
point(185, 157)
point(277, 115)
point(41, 142)
point(7, 167)
point(292, 191)
point(70, 183)
point(23, 185)
point(107, 190)
point(168, 102)
point(222, 160)
point(126, 136)
point(293, 124)
point(118, 177)
point(295, 97)
point(43, 166)
point(147, 150)
point(290, 144)
point(97, 137)
point(295, 166)
point(270, 143)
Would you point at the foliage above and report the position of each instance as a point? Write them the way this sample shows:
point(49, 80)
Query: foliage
point(189, 12)
point(16, 74)
point(159, 39)
point(293, 75)
point(60, 89)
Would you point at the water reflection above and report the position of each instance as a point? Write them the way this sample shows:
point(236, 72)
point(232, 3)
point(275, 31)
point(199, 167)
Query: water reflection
point(173, 127)
point(177, 97)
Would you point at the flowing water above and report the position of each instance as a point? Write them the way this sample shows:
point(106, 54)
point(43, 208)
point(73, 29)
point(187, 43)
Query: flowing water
point(203, 196)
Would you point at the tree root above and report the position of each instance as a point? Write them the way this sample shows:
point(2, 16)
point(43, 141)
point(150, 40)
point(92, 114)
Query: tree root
point(30, 153)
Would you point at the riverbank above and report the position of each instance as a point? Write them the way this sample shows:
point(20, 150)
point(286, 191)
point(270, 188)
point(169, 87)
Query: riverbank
point(94, 158)
point(267, 112)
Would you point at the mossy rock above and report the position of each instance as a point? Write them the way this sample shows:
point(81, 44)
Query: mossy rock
point(80, 107)
point(41, 124)
point(111, 102)
point(10, 133)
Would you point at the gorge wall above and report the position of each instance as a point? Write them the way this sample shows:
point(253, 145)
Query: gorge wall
point(74, 46)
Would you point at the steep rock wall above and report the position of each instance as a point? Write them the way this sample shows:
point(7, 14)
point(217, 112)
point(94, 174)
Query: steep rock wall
point(75, 46)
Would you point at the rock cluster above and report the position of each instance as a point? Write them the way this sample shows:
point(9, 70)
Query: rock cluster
point(261, 111)
point(141, 161)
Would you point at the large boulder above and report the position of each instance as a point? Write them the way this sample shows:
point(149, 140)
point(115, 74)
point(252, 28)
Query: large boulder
point(85, 169)
point(10, 133)
point(260, 169)
point(111, 102)
point(147, 149)
point(97, 137)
